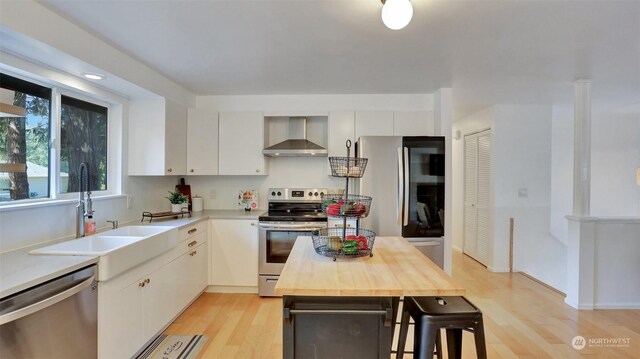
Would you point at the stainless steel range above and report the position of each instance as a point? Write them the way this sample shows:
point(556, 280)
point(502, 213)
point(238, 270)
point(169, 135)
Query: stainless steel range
point(292, 212)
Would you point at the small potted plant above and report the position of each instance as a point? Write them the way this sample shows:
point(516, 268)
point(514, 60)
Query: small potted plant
point(177, 200)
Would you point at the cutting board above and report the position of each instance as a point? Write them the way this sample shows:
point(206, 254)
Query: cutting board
point(185, 189)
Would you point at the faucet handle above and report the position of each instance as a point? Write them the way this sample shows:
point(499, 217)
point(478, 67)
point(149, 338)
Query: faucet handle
point(114, 224)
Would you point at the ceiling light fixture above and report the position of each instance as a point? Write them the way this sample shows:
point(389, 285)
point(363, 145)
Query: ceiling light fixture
point(396, 14)
point(93, 76)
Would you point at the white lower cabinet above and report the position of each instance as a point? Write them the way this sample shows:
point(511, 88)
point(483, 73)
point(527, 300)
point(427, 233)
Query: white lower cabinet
point(234, 252)
point(136, 305)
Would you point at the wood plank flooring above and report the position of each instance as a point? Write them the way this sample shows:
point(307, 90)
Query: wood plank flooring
point(523, 319)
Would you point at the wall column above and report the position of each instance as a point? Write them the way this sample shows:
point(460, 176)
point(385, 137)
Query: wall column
point(581, 233)
point(442, 113)
point(582, 148)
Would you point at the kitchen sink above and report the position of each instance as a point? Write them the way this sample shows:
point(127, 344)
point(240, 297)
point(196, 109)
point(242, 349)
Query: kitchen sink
point(119, 249)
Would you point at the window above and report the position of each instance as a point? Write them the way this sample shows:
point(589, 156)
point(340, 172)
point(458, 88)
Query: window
point(24, 139)
point(83, 138)
point(29, 167)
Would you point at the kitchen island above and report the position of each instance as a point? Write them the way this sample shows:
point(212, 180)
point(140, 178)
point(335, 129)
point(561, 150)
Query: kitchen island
point(348, 306)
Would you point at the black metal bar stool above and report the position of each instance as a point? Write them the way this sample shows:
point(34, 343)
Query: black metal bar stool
point(431, 314)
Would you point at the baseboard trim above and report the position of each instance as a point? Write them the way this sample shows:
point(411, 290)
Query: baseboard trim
point(543, 284)
point(230, 289)
point(498, 269)
point(616, 306)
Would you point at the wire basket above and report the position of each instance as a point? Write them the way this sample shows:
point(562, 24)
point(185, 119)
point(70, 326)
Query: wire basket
point(347, 166)
point(357, 242)
point(353, 206)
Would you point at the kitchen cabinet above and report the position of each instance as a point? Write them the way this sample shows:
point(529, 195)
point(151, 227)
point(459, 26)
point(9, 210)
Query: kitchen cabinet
point(202, 142)
point(157, 138)
point(241, 142)
point(341, 129)
point(413, 123)
point(374, 123)
point(234, 252)
point(131, 316)
point(138, 304)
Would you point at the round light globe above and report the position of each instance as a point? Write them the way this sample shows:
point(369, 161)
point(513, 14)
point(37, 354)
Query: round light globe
point(397, 14)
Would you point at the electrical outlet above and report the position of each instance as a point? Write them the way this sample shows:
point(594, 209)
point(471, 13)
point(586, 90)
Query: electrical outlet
point(213, 194)
point(129, 201)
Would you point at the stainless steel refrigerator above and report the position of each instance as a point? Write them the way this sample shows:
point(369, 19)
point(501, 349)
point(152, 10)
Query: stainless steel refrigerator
point(405, 177)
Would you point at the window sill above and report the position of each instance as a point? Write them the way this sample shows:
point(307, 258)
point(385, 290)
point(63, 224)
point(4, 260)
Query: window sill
point(36, 203)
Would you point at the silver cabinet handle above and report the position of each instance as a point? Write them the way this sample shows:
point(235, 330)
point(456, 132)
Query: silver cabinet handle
point(257, 170)
point(405, 213)
point(253, 224)
point(400, 188)
point(30, 309)
point(169, 170)
point(191, 170)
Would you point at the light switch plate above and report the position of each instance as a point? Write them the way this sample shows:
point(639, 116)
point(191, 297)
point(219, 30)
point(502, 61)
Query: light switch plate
point(523, 192)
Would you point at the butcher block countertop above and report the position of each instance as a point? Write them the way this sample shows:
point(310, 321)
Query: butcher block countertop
point(396, 269)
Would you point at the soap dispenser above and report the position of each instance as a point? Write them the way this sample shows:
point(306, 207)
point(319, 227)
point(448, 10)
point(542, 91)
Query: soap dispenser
point(89, 226)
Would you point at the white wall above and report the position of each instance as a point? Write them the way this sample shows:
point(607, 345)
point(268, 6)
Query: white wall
point(615, 157)
point(561, 203)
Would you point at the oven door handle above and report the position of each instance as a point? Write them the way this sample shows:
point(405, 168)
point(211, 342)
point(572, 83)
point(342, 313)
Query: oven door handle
point(301, 227)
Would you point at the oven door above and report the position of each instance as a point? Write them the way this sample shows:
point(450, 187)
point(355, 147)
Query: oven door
point(276, 242)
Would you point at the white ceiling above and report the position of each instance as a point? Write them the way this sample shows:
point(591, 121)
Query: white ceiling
point(490, 52)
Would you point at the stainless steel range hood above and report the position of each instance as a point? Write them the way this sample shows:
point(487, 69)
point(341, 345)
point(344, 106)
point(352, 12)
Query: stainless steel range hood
point(297, 144)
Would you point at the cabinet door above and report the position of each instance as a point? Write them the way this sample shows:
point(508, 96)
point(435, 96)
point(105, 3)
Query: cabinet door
point(413, 123)
point(190, 273)
point(158, 300)
point(202, 142)
point(341, 129)
point(374, 123)
point(234, 252)
point(146, 137)
point(175, 138)
point(241, 143)
point(120, 323)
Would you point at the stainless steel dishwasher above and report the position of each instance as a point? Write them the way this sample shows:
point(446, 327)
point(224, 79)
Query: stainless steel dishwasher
point(56, 319)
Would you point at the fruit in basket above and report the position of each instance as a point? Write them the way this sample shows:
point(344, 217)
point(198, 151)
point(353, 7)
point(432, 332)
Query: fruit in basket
point(334, 243)
point(333, 209)
point(361, 240)
point(359, 209)
point(327, 202)
point(346, 209)
point(350, 246)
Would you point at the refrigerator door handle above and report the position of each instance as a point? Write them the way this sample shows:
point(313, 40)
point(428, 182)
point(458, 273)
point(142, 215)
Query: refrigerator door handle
point(405, 198)
point(400, 188)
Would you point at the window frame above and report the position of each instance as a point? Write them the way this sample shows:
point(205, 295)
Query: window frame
point(114, 138)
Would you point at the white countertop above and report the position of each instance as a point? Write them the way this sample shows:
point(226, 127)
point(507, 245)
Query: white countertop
point(20, 270)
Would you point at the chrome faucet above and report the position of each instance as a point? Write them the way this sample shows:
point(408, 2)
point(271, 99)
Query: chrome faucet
point(81, 211)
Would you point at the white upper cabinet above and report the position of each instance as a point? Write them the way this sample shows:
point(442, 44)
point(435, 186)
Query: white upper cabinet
point(157, 138)
point(341, 129)
point(202, 142)
point(413, 123)
point(241, 142)
point(374, 123)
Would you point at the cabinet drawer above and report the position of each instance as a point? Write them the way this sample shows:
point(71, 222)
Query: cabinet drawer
point(193, 230)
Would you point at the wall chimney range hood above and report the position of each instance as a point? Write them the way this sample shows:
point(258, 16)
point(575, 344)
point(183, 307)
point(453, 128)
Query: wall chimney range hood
point(296, 144)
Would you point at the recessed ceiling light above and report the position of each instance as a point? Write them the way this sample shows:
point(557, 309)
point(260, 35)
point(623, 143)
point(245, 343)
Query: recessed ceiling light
point(93, 76)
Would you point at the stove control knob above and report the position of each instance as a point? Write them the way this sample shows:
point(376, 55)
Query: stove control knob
point(279, 193)
point(321, 194)
point(273, 193)
point(316, 194)
point(310, 194)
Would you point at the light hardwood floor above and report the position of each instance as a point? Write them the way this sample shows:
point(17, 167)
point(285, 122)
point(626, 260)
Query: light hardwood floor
point(523, 319)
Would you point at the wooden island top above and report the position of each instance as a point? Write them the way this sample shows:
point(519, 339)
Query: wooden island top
point(396, 269)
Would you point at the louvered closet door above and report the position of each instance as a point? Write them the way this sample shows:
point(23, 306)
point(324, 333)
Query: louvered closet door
point(483, 206)
point(470, 194)
point(477, 177)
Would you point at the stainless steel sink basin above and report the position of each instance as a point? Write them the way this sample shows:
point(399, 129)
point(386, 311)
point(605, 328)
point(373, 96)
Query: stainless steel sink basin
point(119, 249)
